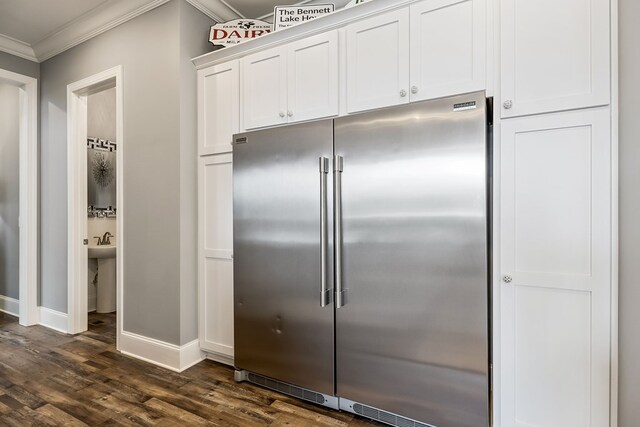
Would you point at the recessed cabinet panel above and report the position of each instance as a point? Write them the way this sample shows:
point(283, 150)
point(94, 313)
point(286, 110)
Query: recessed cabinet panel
point(218, 327)
point(313, 77)
point(219, 112)
point(448, 54)
point(264, 88)
point(555, 269)
point(215, 292)
point(555, 55)
point(378, 61)
point(218, 198)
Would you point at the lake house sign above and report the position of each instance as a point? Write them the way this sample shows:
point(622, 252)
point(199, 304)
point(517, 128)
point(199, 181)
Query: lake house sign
point(237, 31)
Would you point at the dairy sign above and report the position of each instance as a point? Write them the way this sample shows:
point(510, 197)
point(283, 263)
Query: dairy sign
point(288, 16)
point(237, 31)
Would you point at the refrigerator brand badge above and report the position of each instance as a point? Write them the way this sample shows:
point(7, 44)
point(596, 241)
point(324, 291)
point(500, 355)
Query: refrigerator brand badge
point(471, 105)
point(237, 31)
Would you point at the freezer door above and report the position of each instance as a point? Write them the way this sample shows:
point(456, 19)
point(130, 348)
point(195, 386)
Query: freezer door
point(283, 328)
point(412, 335)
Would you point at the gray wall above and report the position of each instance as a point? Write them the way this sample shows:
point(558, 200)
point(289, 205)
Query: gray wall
point(101, 114)
point(629, 309)
point(148, 47)
point(19, 65)
point(9, 191)
point(194, 33)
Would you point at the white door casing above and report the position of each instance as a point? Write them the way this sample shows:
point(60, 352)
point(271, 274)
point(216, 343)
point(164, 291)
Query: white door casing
point(28, 195)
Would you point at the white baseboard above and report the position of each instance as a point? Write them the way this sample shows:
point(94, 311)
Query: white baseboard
point(170, 356)
point(53, 319)
point(10, 305)
point(221, 358)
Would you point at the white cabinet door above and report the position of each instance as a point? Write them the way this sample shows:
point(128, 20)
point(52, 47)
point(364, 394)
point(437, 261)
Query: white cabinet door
point(378, 61)
point(215, 291)
point(218, 107)
point(555, 55)
point(264, 88)
point(448, 48)
point(313, 77)
point(556, 269)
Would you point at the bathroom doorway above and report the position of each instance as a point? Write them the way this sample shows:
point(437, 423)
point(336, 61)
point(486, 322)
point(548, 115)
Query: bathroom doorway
point(95, 188)
point(19, 196)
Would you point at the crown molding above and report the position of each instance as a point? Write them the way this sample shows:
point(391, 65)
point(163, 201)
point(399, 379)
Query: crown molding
point(218, 10)
point(91, 24)
point(17, 48)
point(99, 20)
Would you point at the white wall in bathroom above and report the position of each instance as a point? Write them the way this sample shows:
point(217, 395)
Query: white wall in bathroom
point(9, 191)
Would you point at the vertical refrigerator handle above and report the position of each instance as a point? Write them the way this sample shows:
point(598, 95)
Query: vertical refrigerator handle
point(337, 228)
point(324, 247)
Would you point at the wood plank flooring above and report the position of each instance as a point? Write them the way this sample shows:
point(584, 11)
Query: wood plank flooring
point(52, 379)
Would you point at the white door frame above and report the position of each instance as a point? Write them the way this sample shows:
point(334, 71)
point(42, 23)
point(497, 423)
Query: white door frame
point(28, 181)
point(77, 265)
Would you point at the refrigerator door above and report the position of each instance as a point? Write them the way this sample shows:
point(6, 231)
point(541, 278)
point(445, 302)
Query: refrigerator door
point(282, 331)
point(412, 335)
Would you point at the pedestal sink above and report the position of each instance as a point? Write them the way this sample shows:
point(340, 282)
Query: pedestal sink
point(106, 287)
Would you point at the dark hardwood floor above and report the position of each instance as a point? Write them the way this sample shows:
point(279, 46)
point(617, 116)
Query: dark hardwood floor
point(52, 379)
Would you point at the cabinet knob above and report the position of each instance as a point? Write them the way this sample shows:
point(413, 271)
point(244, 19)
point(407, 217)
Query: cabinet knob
point(507, 279)
point(290, 113)
point(403, 93)
point(282, 114)
point(507, 104)
point(414, 89)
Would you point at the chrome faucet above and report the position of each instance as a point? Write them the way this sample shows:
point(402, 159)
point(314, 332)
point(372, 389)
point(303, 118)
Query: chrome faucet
point(106, 239)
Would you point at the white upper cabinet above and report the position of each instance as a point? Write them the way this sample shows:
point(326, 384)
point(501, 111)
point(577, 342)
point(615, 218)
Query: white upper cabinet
point(313, 77)
point(292, 83)
point(264, 88)
point(378, 61)
point(556, 269)
point(218, 107)
point(448, 48)
point(555, 55)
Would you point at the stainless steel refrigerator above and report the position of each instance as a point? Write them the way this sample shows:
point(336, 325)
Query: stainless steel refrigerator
point(361, 262)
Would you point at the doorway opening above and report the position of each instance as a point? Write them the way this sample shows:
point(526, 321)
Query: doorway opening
point(19, 196)
point(95, 188)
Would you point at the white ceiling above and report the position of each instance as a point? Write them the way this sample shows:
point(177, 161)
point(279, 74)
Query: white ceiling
point(40, 29)
point(32, 20)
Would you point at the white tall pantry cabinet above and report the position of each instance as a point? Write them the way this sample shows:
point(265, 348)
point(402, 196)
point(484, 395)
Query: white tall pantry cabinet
point(547, 63)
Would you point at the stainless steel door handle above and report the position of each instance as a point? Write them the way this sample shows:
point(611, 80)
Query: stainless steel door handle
point(337, 228)
point(324, 247)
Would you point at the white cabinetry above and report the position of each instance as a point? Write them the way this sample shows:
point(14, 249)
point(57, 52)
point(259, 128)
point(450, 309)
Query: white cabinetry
point(428, 50)
point(218, 120)
point(556, 267)
point(264, 88)
point(291, 83)
point(216, 255)
point(555, 55)
point(378, 61)
point(218, 107)
point(448, 48)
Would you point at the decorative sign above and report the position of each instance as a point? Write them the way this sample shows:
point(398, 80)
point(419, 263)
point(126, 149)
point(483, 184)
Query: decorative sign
point(237, 31)
point(288, 16)
point(355, 3)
